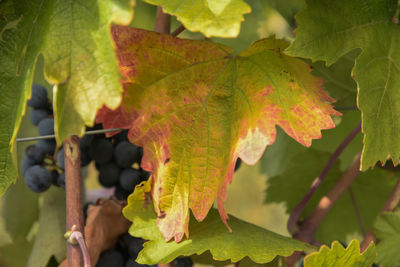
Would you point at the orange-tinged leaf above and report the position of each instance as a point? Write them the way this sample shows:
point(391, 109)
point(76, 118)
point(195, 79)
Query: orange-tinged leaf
point(195, 108)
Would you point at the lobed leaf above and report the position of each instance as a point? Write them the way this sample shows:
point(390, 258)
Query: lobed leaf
point(367, 25)
point(211, 17)
point(209, 235)
point(75, 40)
point(387, 231)
point(210, 108)
point(338, 256)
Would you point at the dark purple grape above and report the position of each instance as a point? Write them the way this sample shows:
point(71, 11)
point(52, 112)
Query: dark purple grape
point(238, 163)
point(61, 180)
point(111, 258)
point(145, 175)
point(132, 245)
point(85, 158)
point(37, 115)
point(101, 150)
point(122, 136)
point(26, 163)
point(34, 154)
point(109, 174)
point(38, 97)
point(61, 158)
point(120, 193)
point(54, 178)
point(48, 146)
point(126, 154)
point(37, 178)
point(85, 141)
point(46, 127)
point(183, 262)
point(129, 178)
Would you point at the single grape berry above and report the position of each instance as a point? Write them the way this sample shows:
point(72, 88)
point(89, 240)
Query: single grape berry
point(132, 263)
point(132, 245)
point(109, 174)
point(126, 154)
point(121, 193)
point(61, 158)
point(26, 163)
point(238, 163)
point(37, 115)
point(37, 178)
point(111, 258)
point(47, 146)
point(61, 180)
point(85, 141)
point(129, 178)
point(85, 158)
point(46, 126)
point(34, 153)
point(101, 150)
point(183, 262)
point(39, 97)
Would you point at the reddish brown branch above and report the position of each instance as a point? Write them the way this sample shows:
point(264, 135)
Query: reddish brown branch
point(163, 22)
point(309, 226)
point(178, 30)
point(391, 203)
point(294, 216)
point(73, 188)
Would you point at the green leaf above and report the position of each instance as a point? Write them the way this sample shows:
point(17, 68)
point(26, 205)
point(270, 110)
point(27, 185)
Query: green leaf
point(387, 231)
point(75, 40)
point(370, 190)
point(338, 256)
point(226, 107)
point(211, 234)
point(363, 23)
point(51, 230)
point(211, 17)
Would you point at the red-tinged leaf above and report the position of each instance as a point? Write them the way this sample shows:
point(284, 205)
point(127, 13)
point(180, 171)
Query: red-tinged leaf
point(195, 108)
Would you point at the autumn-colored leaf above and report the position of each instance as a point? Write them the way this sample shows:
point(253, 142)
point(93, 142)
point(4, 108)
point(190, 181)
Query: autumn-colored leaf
point(195, 108)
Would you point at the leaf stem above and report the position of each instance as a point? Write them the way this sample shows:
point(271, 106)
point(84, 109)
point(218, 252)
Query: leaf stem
point(163, 21)
point(178, 30)
point(357, 211)
point(73, 189)
point(76, 235)
point(294, 216)
point(310, 224)
point(391, 204)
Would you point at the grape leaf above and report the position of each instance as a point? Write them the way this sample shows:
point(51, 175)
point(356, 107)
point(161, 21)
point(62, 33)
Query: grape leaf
point(211, 108)
point(370, 190)
point(51, 230)
point(338, 256)
point(75, 40)
point(211, 17)
point(387, 231)
point(366, 25)
point(208, 235)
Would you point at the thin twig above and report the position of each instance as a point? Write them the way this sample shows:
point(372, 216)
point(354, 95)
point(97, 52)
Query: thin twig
point(310, 224)
point(77, 236)
point(163, 21)
point(34, 138)
point(178, 30)
point(395, 18)
point(391, 204)
point(357, 211)
point(294, 216)
point(73, 191)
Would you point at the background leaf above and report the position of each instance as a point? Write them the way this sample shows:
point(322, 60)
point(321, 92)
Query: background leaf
point(212, 18)
point(370, 190)
point(337, 255)
point(226, 107)
point(49, 239)
point(387, 231)
point(376, 70)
